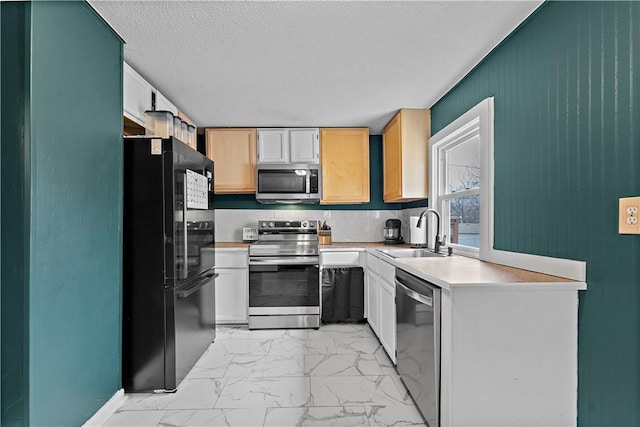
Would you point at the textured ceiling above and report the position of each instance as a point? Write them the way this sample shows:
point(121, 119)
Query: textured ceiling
point(307, 63)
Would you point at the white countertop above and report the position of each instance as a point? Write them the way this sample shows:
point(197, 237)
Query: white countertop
point(448, 272)
point(459, 271)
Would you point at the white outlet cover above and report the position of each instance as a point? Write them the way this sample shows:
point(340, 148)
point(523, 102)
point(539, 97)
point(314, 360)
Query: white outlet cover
point(632, 220)
point(632, 210)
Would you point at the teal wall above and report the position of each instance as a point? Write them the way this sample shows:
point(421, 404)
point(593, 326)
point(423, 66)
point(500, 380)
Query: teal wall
point(248, 201)
point(567, 129)
point(14, 223)
point(72, 172)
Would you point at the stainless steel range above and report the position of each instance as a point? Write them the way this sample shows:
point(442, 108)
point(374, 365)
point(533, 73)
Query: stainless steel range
point(284, 278)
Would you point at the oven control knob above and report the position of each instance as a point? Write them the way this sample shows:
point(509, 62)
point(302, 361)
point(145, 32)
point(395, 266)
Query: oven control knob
point(305, 224)
point(271, 225)
point(263, 225)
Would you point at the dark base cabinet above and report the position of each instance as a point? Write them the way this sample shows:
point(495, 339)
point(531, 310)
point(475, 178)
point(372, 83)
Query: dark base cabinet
point(342, 294)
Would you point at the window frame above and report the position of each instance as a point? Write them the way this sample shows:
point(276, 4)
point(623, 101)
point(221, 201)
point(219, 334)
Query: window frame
point(477, 122)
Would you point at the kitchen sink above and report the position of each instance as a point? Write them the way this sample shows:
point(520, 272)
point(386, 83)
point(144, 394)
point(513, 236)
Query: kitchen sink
point(410, 253)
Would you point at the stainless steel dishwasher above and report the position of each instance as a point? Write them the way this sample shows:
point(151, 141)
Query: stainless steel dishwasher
point(418, 342)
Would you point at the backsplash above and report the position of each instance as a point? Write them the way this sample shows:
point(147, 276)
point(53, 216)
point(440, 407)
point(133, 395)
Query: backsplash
point(346, 226)
point(406, 214)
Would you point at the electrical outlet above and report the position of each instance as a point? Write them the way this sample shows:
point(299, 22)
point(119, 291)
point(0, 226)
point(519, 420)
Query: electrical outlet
point(629, 222)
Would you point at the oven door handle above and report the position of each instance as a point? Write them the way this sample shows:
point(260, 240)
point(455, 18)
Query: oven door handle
point(285, 261)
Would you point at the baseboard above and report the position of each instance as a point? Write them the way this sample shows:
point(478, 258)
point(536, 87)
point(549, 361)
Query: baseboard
point(107, 410)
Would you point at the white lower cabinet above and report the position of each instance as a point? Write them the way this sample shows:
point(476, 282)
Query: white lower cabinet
point(231, 296)
point(507, 349)
point(232, 287)
point(387, 325)
point(381, 302)
point(373, 301)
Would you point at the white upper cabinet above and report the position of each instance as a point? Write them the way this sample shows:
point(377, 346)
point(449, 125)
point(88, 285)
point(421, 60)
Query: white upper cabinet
point(288, 145)
point(163, 104)
point(272, 146)
point(137, 95)
point(304, 145)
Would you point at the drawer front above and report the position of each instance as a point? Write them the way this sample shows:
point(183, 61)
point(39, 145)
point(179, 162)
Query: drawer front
point(373, 264)
point(231, 259)
point(340, 258)
point(386, 271)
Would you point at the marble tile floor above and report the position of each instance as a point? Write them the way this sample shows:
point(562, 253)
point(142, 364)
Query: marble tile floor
point(338, 375)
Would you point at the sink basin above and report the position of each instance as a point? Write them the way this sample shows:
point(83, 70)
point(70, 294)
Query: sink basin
point(410, 253)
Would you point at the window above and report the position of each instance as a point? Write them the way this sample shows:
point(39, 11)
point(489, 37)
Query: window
point(461, 154)
point(461, 189)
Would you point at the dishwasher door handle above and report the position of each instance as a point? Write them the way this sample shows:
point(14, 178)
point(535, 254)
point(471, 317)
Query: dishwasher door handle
point(414, 295)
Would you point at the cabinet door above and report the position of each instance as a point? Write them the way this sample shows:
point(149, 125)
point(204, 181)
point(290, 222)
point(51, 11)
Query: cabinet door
point(231, 295)
point(272, 146)
point(304, 146)
point(163, 104)
point(406, 159)
point(392, 160)
point(373, 302)
point(388, 318)
point(234, 154)
point(344, 156)
point(137, 95)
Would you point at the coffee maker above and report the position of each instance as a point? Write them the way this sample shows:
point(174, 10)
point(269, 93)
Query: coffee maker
point(392, 234)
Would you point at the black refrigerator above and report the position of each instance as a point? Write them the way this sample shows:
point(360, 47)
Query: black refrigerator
point(168, 262)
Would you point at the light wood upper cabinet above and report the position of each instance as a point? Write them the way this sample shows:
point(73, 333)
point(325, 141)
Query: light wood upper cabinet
point(406, 156)
point(344, 155)
point(233, 151)
point(392, 161)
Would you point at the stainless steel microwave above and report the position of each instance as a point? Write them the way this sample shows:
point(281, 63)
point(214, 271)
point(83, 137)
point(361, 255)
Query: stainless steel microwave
point(289, 183)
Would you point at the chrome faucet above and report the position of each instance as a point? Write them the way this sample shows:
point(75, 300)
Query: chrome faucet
point(438, 242)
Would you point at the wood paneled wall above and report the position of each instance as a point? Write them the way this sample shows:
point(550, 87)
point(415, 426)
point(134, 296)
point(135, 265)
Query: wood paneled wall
point(567, 146)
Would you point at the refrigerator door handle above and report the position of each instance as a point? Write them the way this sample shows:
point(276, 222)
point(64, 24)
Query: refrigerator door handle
point(185, 266)
point(195, 288)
